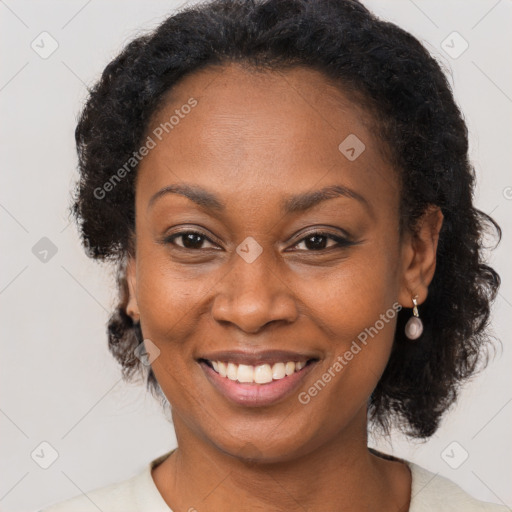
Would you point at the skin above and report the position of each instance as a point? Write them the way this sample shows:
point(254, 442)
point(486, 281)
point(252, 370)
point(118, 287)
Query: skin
point(254, 139)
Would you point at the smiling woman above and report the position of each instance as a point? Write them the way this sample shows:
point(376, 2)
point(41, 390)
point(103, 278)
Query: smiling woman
point(299, 256)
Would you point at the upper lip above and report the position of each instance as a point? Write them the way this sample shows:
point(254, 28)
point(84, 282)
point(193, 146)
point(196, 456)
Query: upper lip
point(261, 357)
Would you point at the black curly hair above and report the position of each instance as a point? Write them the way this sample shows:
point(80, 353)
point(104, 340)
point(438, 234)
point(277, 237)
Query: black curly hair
point(387, 72)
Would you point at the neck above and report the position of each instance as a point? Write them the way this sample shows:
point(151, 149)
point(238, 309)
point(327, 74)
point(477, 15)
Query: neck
point(338, 475)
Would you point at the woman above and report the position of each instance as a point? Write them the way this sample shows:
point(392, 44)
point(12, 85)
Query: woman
point(286, 189)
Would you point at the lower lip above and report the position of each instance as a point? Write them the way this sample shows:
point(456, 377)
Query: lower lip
point(256, 395)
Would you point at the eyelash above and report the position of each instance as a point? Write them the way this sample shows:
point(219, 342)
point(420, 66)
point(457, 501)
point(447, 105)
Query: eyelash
point(341, 242)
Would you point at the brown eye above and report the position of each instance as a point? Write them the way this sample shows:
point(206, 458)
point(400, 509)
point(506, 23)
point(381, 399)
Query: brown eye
point(189, 240)
point(319, 241)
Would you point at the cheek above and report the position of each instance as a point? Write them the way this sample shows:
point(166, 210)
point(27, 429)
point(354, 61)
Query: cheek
point(351, 297)
point(168, 305)
point(358, 318)
point(168, 297)
point(356, 307)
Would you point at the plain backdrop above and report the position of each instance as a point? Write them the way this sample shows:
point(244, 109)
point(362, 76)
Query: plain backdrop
point(59, 384)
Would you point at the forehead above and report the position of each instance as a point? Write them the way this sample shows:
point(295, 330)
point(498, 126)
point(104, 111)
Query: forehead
point(263, 132)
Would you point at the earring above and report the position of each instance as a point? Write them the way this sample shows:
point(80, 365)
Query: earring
point(414, 326)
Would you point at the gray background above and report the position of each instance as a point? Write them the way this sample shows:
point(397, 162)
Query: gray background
point(59, 384)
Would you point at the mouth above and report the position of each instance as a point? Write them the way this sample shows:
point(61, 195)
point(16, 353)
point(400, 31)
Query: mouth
point(256, 380)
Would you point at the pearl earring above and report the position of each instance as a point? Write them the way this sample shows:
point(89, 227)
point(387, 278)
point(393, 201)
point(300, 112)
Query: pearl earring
point(414, 326)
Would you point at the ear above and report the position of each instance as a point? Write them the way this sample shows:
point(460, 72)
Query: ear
point(419, 250)
point(132, 308)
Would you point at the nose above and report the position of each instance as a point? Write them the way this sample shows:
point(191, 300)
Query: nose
point(253, 295)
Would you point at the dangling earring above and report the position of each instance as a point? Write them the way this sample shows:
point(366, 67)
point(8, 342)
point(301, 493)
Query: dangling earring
point(414, 326)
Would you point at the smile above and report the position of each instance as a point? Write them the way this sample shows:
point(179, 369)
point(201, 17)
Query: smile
point(256, 385)
point(261, 374)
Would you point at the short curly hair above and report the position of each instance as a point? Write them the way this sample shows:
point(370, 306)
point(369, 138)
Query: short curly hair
point(386, 71)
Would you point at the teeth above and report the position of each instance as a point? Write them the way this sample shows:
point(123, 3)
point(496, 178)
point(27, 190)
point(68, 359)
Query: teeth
point(278, 371)
point(232, 371)
point(289, 368)
point(245, 373)
point(222, 369)
point(261, 374)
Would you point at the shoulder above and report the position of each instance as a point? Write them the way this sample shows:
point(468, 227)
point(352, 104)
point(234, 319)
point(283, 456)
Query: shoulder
point(137, 494)
point(112, 498)
point(433, 492)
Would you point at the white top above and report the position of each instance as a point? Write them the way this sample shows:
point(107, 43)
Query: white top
point(429, 493)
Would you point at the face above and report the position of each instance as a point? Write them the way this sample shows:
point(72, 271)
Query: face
point(243, 266)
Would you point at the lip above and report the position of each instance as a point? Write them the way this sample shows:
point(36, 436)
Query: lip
point(256, 395)
point(262, 357)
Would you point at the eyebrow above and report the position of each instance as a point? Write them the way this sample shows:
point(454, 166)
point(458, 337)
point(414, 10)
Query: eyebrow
point(198, 195)
point(293, 204)
point(308, 200)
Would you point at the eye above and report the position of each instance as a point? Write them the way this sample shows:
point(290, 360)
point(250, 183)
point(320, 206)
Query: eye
point(318, 241)
point(314, 242)
point(190, 240)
